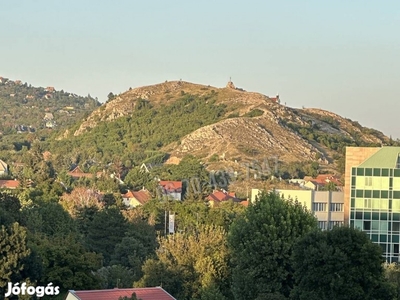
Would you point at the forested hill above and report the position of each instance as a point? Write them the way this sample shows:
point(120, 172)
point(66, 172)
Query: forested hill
point(27, 109)
point(224, 127)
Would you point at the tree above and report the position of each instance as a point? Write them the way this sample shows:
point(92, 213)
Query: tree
point(330, 186)
point(132, 297)
point(48, 218)
point(342, 263)
point(66, 262)
point(13, 250)
point(79, 198)
point(191, 266)
point(136, 179)
point(139, 244)
point(110, 96)
point(9, 208)
point(105, 231)
point(261, 243)
point(392, 274)
point(115, 276)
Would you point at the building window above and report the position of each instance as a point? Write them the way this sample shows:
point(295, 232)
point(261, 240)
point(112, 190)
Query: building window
point(367, 225)
point(375, 225)
point(335, 223)
point(367, 203)
point(322, 225)
point(396, 249)
point(319, 206)
point(368, 181)
point(336, 207)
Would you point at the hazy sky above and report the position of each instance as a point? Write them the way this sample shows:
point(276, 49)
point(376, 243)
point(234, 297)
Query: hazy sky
point(342, 56)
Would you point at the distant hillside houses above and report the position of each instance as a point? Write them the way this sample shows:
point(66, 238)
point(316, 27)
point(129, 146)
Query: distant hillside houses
point(77, 173)
point(9, 184)
point(318, 183)
point(170, 189)
point(275, 99)
point(133, 199)
point(24, 129)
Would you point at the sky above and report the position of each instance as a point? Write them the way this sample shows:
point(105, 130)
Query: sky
point(341, 56)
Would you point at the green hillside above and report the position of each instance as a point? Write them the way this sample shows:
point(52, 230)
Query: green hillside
point(25, 108)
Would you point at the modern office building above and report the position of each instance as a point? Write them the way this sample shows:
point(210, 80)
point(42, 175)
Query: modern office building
point(327, 206)
point(372, 195)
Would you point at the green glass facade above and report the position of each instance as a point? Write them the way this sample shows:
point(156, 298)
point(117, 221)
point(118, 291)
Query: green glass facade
point(375, 207)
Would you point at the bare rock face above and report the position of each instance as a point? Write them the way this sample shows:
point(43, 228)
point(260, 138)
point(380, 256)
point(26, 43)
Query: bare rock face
point(251, 137)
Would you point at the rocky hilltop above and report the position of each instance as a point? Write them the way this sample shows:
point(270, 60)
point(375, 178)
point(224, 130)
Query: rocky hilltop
point(254, 126)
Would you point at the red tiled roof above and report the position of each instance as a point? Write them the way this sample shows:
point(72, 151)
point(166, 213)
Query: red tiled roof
point(171, 186)
point(221, 196)
point(326, 178)
point(317, 183)
point(9, 184)
point(129, 194)
point(244, 203)
point(141, 196)
point(323, 179)
point(77, 173)
point(152, 293)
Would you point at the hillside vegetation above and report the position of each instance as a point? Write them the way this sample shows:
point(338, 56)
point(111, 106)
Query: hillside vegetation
point(228, 129)
point(225, 127)
point(25, 108)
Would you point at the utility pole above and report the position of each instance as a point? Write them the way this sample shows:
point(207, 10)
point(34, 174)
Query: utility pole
point(165, 223)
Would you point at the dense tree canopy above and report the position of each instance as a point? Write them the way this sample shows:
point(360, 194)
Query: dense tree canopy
point(191, 266)
point(13, 250)
point(261, 244)
point(340, 264)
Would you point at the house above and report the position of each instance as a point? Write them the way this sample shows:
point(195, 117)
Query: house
point(314, 185)
point(275, 99)
point(77, 173)
point(3, 168)
point(148, 293)
point(321, 181)
point(48, 96)
point(219, 196)
point(171, 189)
point(146, 167)
point(50, 89)
point(133, 199)
point(9, 184)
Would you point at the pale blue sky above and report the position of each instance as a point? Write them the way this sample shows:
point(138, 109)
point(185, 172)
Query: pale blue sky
point(341, 56)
